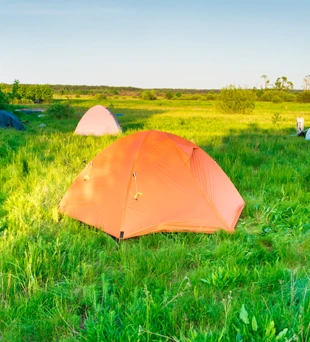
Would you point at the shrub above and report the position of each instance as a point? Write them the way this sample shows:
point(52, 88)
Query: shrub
point(192, 98)
point(101, 96)
point(277, 99)
point(211, 95)
point(114, 92)
point(277, 96)
point(149, 95)
point(169, 95)
point(60, 111)
point(287, 97)
point(237, 100)
point(178, 94)
point(303, 97)
point(259, 92)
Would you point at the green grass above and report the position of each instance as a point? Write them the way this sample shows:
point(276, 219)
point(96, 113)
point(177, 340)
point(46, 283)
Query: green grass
point(61, 280)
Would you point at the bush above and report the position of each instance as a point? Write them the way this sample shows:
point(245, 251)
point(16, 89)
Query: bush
point(277, 96)
point(193, 98)
point(114, 92)
point(101, 97)
point(287, 97)
point(169, 95)
point(303, 97)
point(211, 96)
point(277, 99)
point(259, 93)
point(236, 100)
point(60, 111)
point(268, 95)
point(149, 95)
point(178, 94)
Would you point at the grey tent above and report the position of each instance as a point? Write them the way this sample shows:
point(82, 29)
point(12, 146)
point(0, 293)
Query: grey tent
point(8, 120)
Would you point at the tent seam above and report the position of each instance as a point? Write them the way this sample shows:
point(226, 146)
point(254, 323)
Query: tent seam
point(204, 195)
point(129, 182)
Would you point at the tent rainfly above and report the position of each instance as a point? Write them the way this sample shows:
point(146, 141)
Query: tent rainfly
point(98, 120)
point(151, 182)
point(9, 120)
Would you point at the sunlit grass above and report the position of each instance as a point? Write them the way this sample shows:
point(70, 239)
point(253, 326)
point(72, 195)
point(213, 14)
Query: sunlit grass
point(61, 280)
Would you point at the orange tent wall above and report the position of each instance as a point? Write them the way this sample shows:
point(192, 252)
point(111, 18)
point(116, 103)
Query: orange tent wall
point(153, 182)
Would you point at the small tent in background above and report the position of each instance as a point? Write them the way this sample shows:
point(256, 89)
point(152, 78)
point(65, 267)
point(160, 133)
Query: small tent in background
point(98, 120)
point(151, 182)
point(9, 120)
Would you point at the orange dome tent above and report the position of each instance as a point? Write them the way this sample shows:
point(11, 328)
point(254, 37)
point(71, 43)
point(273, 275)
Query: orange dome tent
point(98, 120)
point(151, 182)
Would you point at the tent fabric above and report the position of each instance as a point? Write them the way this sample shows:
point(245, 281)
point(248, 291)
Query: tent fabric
point(307, 137)
point(32, 111)
point(9, 120)
point(151, 182)
point(98, 120)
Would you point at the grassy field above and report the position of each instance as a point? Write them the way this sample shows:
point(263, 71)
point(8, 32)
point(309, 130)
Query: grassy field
point(61, 280)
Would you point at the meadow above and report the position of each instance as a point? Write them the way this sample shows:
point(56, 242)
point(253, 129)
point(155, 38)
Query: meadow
point(61, 280)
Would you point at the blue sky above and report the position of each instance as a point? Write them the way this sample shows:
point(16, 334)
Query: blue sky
point(154, 44)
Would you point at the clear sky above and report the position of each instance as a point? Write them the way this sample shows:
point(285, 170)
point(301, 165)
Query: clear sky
point(154, 44)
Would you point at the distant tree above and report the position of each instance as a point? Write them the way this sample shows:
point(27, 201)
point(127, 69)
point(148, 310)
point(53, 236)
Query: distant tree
point(23, 91)
point(282, 84)
point(6, 88)
point(178, 94)
point(15, 94)
point(37, 93)
point(266, 81)
point(169, 95)
point(306, 82)
point(303, 97)
point(4, 100)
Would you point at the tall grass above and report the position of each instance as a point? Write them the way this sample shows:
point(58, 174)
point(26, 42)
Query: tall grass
point(61, 280)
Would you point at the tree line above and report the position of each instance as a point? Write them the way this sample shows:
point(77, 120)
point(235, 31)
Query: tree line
point(281, 91)
point(16, 93)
